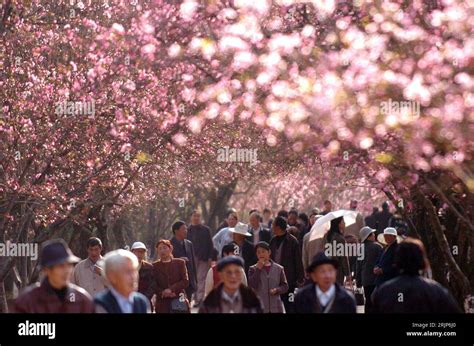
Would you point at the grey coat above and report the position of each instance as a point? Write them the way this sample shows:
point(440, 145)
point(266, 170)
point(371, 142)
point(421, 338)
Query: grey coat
point(262, 283)
point(365, 268)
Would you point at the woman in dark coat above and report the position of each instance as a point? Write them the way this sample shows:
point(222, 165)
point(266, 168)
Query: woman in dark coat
point(171, 280)
point(410, 292)
point(333, 238)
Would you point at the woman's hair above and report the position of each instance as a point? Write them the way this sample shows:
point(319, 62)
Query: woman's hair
point(334, 228)
point(410, 257)
point(165, 242)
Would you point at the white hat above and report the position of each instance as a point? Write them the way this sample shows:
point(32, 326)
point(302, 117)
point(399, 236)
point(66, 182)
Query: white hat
point(365, 232)
point(241, 228)
point(138, 245)
point(389, 231)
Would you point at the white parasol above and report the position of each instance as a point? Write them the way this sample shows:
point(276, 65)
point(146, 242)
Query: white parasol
point(322, 225)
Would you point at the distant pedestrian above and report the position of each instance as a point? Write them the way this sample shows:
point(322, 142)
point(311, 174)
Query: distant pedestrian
point(245, 248)
point(327, 208)
point(285, 250)
point(334, 238)
point(145, 271)
point(257, 230)
point(200, 236)
point(267, 218)
point(371, 220)
point(385, 268)
point(383, 217)
point(88, 273)
point(171, 280)
point(224, 236)
point(365, 276)
point(268, 280)
point(183, 248)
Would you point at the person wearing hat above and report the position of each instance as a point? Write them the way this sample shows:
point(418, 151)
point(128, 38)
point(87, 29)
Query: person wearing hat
point(223, 235)
point(385, 267)
point(88, 273)
point(245, 248)
point(213, 279)
point(231, 296)
point(324, 294)
point(365, 276)
point(145, 271)
point(268, 280)
point(55, 293)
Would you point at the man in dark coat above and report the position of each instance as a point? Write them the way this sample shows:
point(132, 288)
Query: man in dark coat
point(245, 247)
point(200, 236)
point(257, 230)
point(285, 251)
point(385, 267)
point(184, 248)
point(145, 271)
point(324, 294)
point(231, 296)
point(365, 276)
point(383, 217)
point(55, 293)
point(371, 220)
point(121, 271)
point(410, 292)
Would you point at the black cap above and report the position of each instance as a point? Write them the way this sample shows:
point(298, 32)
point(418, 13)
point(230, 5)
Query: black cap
point(263, 245)
point(55, 252)
point(319, 259)
point(225, 261)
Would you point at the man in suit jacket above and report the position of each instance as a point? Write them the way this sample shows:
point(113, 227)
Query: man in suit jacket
point(257, 230)
point(324, 294)
point(183, 248)
point(121, 296)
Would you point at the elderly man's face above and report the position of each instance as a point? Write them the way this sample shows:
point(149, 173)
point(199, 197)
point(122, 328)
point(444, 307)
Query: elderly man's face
point(125, 278)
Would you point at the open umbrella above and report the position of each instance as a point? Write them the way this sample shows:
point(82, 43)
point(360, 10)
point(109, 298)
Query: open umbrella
point(322, 225)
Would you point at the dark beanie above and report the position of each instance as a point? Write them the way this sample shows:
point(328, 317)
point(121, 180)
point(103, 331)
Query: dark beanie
point(224, 262)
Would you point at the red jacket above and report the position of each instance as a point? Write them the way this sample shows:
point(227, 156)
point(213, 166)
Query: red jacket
point(41, 298)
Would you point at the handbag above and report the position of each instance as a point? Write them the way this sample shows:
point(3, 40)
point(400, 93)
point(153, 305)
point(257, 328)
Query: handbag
point(178, 305)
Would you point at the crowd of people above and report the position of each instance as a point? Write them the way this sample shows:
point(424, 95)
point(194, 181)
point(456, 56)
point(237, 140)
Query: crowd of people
point(270, 265)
